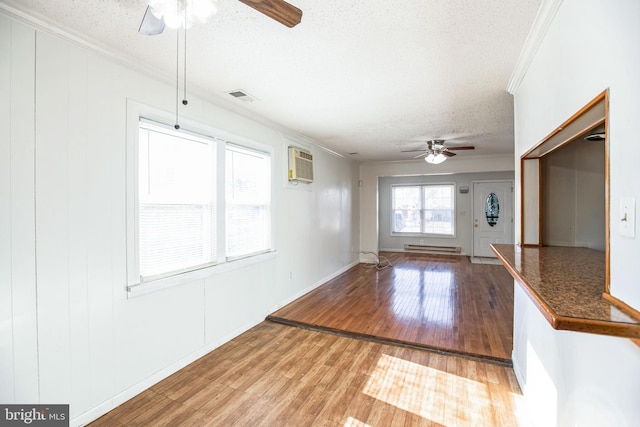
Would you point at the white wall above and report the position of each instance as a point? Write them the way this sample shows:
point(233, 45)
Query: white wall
point(370, 172)
point(572, 378)
point(573, 181)
point(463, 203)
point(18, 328)
point(68, 331)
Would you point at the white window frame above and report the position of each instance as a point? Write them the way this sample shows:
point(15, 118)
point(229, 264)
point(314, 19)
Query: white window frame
point(255, 152)
point(153, 126)
point(422, 210)
point(135, 286)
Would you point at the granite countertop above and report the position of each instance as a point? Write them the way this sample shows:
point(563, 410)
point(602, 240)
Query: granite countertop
point(567, 284)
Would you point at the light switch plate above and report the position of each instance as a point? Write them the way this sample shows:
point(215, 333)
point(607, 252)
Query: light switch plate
point(628, 217)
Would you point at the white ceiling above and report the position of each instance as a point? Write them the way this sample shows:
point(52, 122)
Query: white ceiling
point(372, 77)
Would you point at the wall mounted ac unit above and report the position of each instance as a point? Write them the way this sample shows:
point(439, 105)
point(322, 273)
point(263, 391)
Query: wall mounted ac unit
point(300, 165)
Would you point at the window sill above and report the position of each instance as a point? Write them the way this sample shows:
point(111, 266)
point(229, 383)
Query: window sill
point(182, 278)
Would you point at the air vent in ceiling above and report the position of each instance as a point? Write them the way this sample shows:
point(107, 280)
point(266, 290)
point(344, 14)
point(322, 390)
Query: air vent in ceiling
point(242, 95)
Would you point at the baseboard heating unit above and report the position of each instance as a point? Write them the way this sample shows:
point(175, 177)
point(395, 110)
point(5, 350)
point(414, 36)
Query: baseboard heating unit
point(436, 249)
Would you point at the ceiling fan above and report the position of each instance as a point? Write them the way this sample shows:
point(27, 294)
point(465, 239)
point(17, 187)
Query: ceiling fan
point(161, 13)
point(436, 152)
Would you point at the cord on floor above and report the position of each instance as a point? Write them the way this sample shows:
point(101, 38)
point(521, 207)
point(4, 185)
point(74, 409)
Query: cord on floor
point(382, 262)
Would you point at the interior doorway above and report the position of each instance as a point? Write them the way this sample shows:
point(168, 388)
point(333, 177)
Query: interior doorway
point(492, 216)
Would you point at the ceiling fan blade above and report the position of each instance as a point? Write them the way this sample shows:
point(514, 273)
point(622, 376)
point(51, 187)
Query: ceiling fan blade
point(420, 155)
point(448, 153)
point(468, 147)
point(150, 25)
point(280, 10)
point(410, 151)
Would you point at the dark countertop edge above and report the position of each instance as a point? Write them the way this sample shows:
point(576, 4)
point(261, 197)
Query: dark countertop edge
point(563, 323)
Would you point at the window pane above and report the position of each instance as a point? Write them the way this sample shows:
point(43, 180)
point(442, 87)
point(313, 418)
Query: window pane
point(406, 197)
point(174, 237)
point(438, 221)
point(177, 169)
point(407, 221)
point(248, 201)
point(438, 214)
point(438, 196)
point(176, 201)
point(427, 209)
point(406, 209)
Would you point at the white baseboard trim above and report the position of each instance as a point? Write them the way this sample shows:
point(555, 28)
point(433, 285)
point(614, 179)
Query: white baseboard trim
point(315, 285)
point(117, 400)
point(526, 411)
point(518, 372)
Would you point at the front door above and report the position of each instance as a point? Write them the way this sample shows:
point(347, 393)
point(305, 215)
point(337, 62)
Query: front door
point(492, 215)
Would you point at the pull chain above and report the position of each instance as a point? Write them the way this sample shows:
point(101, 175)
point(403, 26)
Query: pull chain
point(184, 64)
point(177, 125)
point(184, 73)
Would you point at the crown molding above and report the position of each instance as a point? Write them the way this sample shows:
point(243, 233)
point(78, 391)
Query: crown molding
point(38, 22)
point(12, 10)
point(541, 24)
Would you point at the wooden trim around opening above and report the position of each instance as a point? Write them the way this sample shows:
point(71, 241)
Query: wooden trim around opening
point(607, 198)
point(599, 98)
point(624, 307)
point(540, 204)
point(522, 241)
point(537, 153)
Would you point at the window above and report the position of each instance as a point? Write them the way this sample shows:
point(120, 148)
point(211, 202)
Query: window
point(177, 201)
point(248, 200)
point(423, 209)
point(195, 201)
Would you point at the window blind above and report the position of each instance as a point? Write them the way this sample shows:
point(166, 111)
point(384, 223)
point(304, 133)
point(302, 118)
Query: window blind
point(176, 193)
point(248, 201)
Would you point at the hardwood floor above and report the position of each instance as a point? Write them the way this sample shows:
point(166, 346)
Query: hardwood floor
point(277, 375)
point(430, 301)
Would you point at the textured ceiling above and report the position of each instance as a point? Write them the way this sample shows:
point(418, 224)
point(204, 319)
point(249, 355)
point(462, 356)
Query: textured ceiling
point(372, 77)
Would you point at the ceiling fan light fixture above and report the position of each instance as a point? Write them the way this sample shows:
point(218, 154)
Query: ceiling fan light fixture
point(435, 158)
point(202, 10)
point(178, 13)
